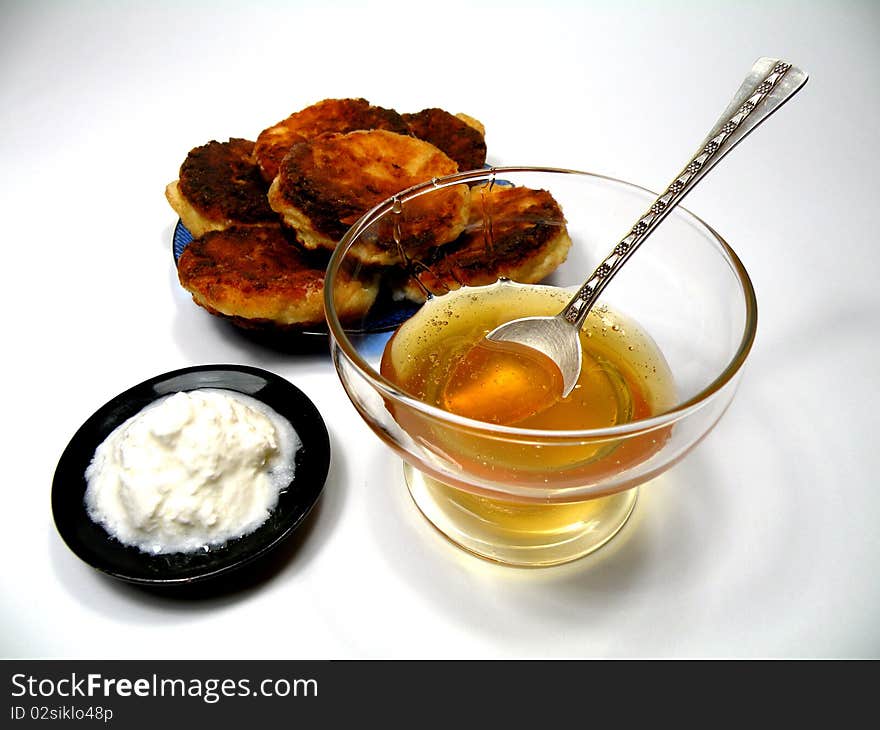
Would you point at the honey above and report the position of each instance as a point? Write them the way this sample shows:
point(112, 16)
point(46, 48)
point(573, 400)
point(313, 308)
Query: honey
point(624, 378)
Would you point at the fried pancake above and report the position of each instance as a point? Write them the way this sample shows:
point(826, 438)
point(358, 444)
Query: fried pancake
point(325, 184)
point(460, 137)
point(471, 122)
point(257, 277)
point(219, 186)
point(514, 232)
point(331, 115)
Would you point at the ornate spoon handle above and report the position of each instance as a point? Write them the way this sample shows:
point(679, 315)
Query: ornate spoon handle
point(770, 83)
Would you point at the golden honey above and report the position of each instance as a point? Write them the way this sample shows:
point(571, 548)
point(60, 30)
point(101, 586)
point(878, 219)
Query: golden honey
point(624, 378)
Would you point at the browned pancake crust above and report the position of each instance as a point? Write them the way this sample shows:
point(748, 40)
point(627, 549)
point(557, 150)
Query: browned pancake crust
point(514, 232)
point(220, 185)
point(328, 116)
point(257, 276)
point(459, 140)
point(324, 185)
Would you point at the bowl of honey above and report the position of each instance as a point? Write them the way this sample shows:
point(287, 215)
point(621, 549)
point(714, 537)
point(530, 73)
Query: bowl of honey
point(663, 352)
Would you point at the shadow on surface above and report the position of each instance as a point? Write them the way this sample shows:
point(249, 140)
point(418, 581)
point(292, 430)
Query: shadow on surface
point(661, 548)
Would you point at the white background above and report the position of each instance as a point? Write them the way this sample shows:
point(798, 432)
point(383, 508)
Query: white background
point(764, 542)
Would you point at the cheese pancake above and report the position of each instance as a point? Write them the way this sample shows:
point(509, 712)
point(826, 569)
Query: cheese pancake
point(324, 185)
point(330, 115)
point(219, 186)
point(460, 137)
point(258, 278)
point(514, 232)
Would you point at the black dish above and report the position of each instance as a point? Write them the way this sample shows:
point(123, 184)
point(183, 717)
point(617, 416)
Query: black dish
point(91, 542)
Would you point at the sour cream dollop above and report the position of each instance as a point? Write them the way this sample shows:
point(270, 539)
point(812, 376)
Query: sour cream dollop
point(191, 470)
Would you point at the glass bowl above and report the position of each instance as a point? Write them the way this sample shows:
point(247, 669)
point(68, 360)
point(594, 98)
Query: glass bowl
point(528, 496)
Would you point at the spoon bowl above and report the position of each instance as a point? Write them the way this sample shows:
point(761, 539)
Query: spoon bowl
point(554, 337)
point(502, 382)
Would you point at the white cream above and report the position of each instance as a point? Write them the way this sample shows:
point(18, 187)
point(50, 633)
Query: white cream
point(191, 470)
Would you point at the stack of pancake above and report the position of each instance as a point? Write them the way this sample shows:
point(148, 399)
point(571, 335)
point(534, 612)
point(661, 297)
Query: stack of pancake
point(266, 215)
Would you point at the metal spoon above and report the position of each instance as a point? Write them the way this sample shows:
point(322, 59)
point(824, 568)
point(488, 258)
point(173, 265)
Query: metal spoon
point(769, 84)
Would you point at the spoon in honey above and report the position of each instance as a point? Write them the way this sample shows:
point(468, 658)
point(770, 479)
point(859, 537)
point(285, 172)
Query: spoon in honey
point(514, 349)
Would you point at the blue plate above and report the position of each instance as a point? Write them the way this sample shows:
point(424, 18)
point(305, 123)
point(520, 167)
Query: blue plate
point(182, 239)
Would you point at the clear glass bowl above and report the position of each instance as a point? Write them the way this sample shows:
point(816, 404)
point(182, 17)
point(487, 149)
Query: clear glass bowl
point(685, 287)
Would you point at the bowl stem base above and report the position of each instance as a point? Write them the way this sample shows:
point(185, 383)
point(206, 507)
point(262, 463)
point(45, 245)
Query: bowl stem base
point(519, 533)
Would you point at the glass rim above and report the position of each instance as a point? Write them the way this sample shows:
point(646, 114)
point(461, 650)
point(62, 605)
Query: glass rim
point(338, 337)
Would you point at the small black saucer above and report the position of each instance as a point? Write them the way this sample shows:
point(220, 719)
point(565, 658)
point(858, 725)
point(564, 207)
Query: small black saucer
point(91, 542)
